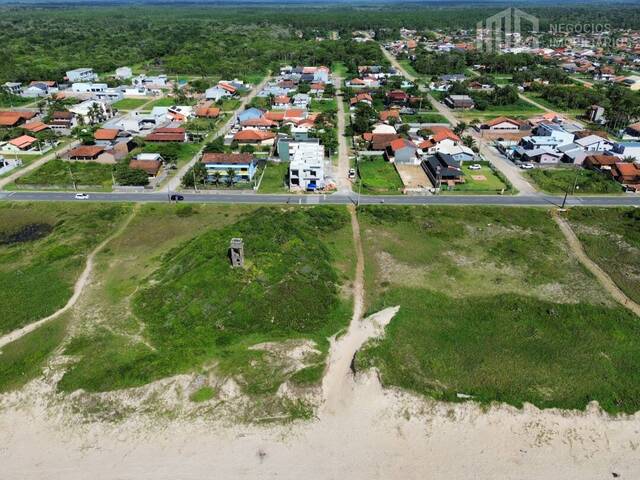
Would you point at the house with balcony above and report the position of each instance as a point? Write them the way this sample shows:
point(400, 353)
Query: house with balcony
point(243, 165)
point(306, 168)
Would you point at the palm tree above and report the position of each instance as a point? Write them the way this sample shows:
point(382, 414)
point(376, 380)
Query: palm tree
point(468, 141)
point(216, 178)
point(231, 174)
point(460, 128)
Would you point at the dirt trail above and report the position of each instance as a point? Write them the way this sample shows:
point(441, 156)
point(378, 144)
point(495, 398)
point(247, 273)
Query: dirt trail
point(338, 385)
point(78, 288)
point(604, 279)
point(344, 185)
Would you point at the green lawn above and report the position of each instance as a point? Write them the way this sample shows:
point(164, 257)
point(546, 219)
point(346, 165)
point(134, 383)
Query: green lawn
point(520, 108)
point(7, 101)
point(406, 64)
point(559, 180)
point(379, 176)
point(62, 174)
point(169, 277)
point(42, 251)
point(339, 69)
point(611, 237)
point(129, 103)
point(545, 103)
point(253, 78)
point(324, 106)
point(275, 178)
point(230, 104)
point(492, 306)
point(491, 184)
point(424, 118)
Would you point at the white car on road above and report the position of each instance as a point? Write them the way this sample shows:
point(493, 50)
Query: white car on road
point(81, 196)
point(475, 166)
point(526, 166)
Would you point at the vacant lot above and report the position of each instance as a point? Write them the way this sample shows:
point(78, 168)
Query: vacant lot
point(379, 176)
point(559, 180)
point(130, 103)
point(611, 237)
point(62, 174)
point(275, 178)
point(42, 251)
point(492, 306)
point(484, 180)
point(170, 303)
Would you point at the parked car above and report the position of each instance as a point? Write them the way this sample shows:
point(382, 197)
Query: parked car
point(526, 166)
point(352, 173)
point(81, 196)
point(475, 166)
point(176, 198)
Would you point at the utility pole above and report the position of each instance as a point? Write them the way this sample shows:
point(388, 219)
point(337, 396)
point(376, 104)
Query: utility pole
point(73, 180)
point(573, 189)
point(195, 183)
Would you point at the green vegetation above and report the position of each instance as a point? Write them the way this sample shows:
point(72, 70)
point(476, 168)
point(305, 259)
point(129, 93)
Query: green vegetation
point(129, 103)
point(492, 306)
point(202, 395)
point(424, 118)
point(42, 251)
point(22, 360)
point(611, 237)
point(378, 176)
point(560, 180)
point(62, 174)
point(324, 106)
point(490, 184)
point(193, 309)
point(275, 178)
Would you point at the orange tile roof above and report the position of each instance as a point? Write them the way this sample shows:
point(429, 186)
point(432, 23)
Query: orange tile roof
point(106, 134)
point(152, 167)
point(86, 151)
point(251, 135)
point(35, 127)
point(23, 141)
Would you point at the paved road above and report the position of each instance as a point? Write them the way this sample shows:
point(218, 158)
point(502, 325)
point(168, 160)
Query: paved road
point(337, 199)
point(394, 61)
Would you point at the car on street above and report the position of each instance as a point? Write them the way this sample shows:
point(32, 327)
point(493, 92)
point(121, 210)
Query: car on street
point(81, 196)
point(176, 197)
point(475, 166)
point(526, 166)
point(352, 173)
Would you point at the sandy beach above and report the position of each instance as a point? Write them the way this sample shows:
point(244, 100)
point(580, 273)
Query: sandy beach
point(362, 432)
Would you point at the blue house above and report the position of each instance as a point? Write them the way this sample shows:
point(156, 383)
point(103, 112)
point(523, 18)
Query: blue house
point(244, 166)
point(250, 114)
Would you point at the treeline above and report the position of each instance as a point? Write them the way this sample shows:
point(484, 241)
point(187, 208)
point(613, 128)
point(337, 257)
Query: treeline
point(44, 44)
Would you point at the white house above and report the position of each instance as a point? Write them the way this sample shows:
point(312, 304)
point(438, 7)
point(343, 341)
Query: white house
point(82, 87)
point(592, 143)
point(82, 75)
point(13, 88)
point(84, 109)
point(7, 165)
point(124, 73)
point(556, 132)
point(306, 170)
point(217, 93)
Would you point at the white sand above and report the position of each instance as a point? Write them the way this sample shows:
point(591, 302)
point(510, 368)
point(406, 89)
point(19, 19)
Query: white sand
point(363, 432)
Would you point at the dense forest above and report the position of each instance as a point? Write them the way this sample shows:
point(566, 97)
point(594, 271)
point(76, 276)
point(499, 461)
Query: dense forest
point(43, 42)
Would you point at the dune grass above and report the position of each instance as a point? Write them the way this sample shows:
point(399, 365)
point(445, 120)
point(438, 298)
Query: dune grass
point(43, 247)
point(611, 238)
point(180, 307)
point(63, 174)
point(492, 306)
point(559, 180)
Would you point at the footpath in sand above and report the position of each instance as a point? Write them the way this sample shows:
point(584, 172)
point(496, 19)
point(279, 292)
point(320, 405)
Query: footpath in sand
point(362, 432)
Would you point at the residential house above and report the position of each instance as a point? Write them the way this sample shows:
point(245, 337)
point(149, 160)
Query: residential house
point(105, 137)
point(555, 132)
point(153, 82)
point(249, 113)
point(402, 151)
point(592, 143)
point(446, 142)
point(261, 123)
point(442, 168)
point(81, 75)
point(6, 164)
point(35, 126)
point(459, 101)
point(253, 136)
point(600, 162)
point(167, 134)
point(38, 89)
point(221, 91)
point(388, 116)
point(301, 100)
point(92, 111)
point(23, 143)
point(63, 120)
point(364, 98)
point(595, 114)
point(379, 141)
point(627, 149)
point(87, 87)
point(207, 111)
point(503, 125)
point(244, 166)
point(306, 167)
point(150, 163)
point(13, 88)
point(14, 118)
point(86, 152)
point(628, 174)
point(281, 102)
point(397, 97)
point(287, 146)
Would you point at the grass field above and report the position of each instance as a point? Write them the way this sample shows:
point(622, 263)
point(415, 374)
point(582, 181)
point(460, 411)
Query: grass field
point(203, 315)
point(130, 103)
point(424, 118)
point(275, 178)
point(42, 251)
point(378, 176)
point(492, 306)
point(611, 237)
point(519, 109)
point(490, 184)
point(167, 102)
point(324, 106)
point(538, 99)
point(406, 64)
point(62, 174)
point(559, 180)
point(339, 68)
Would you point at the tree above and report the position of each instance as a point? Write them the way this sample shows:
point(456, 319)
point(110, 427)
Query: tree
point(130, 176)
point(197, 173)
point(216, 177)
point(217, 146)
point(460, 128)
point(231, 177)
point(468, 141)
